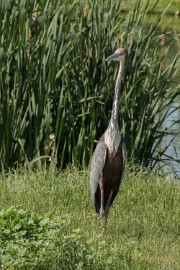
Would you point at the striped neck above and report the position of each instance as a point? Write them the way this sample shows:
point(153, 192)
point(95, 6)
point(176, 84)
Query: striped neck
point(114, 114)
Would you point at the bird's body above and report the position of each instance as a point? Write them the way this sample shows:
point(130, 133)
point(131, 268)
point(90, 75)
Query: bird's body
point(108, 160)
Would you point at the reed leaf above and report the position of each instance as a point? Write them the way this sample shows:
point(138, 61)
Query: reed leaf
point(54, 80)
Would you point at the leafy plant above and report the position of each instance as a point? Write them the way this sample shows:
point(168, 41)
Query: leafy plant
point(31, 242)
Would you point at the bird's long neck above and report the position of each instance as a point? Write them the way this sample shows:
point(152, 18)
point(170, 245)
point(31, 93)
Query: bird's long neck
point(112, 135)
point(114, 113)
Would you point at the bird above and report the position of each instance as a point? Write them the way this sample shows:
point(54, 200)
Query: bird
point(108, 160)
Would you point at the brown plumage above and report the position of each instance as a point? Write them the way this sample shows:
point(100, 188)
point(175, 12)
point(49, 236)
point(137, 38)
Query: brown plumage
point(113, 163)
point(108, 160)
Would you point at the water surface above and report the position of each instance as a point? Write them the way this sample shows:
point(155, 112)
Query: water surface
point(172, 154)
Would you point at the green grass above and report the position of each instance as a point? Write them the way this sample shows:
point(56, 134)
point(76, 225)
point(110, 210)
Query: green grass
point(171, 18)
point(160, 7)
point(143, 226)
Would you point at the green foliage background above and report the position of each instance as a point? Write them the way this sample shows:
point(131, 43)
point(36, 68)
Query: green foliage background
point(56, 81)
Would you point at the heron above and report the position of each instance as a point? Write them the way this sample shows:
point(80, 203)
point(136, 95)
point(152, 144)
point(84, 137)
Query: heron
point(108, 159)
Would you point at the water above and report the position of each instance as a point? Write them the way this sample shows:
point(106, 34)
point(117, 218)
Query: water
point(174, 148)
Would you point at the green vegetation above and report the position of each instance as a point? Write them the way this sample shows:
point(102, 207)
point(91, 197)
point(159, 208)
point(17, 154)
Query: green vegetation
point(171, 18)
point(55, 101)
point(160, 6)
point(30, 242)
point(64, 232)
point(53, 79)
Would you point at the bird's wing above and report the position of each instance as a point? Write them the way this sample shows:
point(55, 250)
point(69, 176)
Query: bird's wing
point(97, 165)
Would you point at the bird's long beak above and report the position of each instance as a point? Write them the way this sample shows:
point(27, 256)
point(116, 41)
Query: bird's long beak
point(111, 57)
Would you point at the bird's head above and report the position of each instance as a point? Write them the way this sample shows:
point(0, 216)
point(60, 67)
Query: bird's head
point(118, 55)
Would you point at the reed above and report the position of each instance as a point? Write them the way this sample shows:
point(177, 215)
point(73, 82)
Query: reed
point(54, 80)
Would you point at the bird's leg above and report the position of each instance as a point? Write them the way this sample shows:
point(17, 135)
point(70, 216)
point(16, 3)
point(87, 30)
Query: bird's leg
point(102, 197)
point(107, 205)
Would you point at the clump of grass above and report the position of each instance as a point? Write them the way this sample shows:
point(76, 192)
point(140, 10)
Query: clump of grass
point(53, 79)
point(143, 226)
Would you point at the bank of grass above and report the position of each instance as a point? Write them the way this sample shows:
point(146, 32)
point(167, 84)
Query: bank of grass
point(143, 225)
point(160, 7)
point(170, 20)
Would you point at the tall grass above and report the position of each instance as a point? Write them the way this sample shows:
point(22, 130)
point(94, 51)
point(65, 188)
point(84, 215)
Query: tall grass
point(151, 88)
point(53, 79)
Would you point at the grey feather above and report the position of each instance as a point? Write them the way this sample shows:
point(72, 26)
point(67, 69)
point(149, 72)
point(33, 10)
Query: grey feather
point(97, 165)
